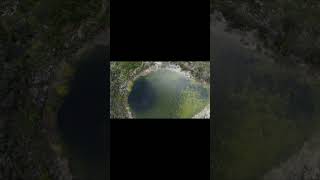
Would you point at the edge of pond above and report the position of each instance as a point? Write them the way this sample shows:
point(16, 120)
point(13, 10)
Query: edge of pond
point(58, 89)
point(171, 67)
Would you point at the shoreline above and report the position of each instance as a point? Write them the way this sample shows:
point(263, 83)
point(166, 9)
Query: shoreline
point(171, 67)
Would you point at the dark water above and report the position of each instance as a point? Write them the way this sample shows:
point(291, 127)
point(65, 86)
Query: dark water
point(82, 117)
point(160, 95)
point(142, 96)
point(263, 110)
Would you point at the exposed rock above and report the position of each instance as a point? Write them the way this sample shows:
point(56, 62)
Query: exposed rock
point(305, 165)
point(122, 84)
point(204, 114)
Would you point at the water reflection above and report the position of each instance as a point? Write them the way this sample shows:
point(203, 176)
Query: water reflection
point(143, 95)
point(167, 94)
point(82, 119)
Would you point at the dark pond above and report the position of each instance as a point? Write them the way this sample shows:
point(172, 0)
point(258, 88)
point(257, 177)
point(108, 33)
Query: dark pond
point(167, 94)
point(82, 118)
point(263, 110)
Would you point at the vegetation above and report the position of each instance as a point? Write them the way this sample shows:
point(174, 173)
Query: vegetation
point(36, 37)
point(289, 28)
point(199, 70)
point(62, 89)
point(122, 75)
point(262, 117)
point(274, 108)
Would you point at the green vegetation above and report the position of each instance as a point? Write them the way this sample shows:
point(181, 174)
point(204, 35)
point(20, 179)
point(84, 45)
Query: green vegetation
point(122, 75)
point(62, 89)
point(199, 70)
point(68, 70)
point(289, 28)
point(36, 37)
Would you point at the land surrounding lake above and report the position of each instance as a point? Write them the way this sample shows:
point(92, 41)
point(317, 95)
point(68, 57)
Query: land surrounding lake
point(82, 121)
point(42, 43)
point(266, 96)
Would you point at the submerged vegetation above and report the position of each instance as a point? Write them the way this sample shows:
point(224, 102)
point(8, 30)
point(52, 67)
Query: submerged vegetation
point(167, 94)
point(191, 102)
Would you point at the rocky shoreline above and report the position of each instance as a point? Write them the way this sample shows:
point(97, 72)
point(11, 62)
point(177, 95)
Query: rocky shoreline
point(171, 66)
point(303, 165)
point(204, 114)
point(55, 99)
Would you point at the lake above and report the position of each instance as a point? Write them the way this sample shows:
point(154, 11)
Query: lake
point(263, 110)
point(167, 94)
point(82, 117)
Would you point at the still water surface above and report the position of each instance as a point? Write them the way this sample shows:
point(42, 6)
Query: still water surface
point(82, 118)
point(263, 110)
point(167, 94)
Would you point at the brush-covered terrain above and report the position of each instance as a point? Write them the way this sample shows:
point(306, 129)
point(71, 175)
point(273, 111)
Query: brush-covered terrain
point(40, 41)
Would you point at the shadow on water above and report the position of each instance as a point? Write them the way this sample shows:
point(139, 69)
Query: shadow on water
point(167, 94)
point(82, 117)
point(263, 111)
point(143, 95)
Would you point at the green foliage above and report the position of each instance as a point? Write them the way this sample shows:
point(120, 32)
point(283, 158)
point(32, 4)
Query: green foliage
point(61, 12)
point(68, 70)
point(128, 67)
point(199, 70)
point(285, 27)
point(46, 31)
point(121, 74)
point(44, 176)
point(62, 89)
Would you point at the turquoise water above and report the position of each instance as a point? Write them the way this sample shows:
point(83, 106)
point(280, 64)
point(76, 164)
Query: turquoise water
point(167, 94)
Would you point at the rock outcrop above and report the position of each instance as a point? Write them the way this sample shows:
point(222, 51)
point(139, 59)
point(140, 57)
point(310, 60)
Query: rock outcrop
point(304, 165)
